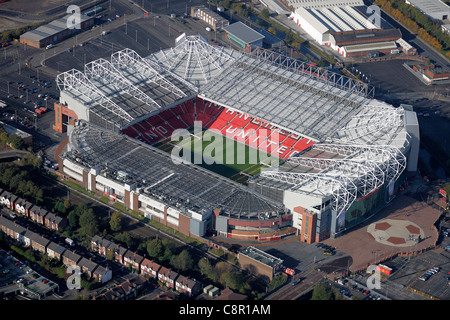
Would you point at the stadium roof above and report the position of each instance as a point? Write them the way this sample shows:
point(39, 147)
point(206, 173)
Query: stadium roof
point(194, 59)
point(156, 174)
point(295, 96)
point(342, 172)
point(124, 89)
point(362, 137)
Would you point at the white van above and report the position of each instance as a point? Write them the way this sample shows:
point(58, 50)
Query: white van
point(208, 29)
point(49, 46)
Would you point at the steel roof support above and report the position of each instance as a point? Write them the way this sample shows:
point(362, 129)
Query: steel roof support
point(104, 70)
point(127, 58)
point(77, 81)
point(342, 189)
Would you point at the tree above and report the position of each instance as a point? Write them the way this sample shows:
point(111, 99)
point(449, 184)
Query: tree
point(155, 248)
point(116, 222)
point(88, 223)
point(265, 13)
point(125, 238)
point(15, 141)
point(183, 261)
point(234, 279)
point(324, 292)
point(289, 37)
point(221, 268)
point(73, 220)
point(321, 292)
point(206, 268)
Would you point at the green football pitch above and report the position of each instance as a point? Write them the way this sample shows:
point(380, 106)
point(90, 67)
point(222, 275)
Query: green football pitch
point(224, 156)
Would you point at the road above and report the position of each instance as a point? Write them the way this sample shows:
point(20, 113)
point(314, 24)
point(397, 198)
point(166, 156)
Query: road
point(305, 282)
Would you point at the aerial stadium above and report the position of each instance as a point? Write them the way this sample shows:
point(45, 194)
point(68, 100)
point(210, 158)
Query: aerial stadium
point(331, 155)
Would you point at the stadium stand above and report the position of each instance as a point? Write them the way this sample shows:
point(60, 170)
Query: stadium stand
point(241, 127)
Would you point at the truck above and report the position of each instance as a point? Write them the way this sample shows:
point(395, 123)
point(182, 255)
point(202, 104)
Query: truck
point(70, 242)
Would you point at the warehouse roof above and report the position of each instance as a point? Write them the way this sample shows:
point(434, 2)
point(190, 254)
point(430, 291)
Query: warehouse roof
point(430, 6)
point(366, 36)
point(35, 35)
point(244, 32)
point(50, 29)
point(324, 3)
point(371, 46)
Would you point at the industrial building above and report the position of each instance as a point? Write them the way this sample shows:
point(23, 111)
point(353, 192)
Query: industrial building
point(244, 36)
point(54, 32)
point(344, 154)
point(214, 20)
point(348, 27)
point(259, 262)
point(435, 9)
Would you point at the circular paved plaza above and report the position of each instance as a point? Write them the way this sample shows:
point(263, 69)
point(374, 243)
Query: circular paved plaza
point(406, 225)
point(395, 232)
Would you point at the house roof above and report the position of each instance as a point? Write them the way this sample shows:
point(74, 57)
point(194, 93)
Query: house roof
point(118, 249)
point(100, 270)
point(243, 32)
point(39, 211)
point(8, 195)
point(190, 283)
point(102, 242)
point(113, 293)
point(228, 294)
point(134, 256)
point(39, 239)
point(96, 239)
point(90, 265)
point(53, 217)
point(56, 247)
point(172, 274)
point(150, 264)
point(71, 255)
point(24, 203)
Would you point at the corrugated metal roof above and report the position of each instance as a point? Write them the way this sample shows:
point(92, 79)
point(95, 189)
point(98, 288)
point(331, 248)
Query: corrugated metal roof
point(243, 32)
point(50, 29)
point(371, 46)
point(360, 37)
point(320, 4)
point(35, 35)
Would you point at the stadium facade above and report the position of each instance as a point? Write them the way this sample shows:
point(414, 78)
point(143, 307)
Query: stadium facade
point(342, 154)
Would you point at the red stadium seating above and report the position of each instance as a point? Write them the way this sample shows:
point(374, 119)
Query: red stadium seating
point(254, 132)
